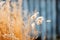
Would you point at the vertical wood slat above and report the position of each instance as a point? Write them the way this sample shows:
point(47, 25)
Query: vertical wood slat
point(58, 17)
point(31, 6)
point(37, 9)
point(54, 18)
point(25, 5)
point(37, 5)
point(48, 18)
point(43, 13)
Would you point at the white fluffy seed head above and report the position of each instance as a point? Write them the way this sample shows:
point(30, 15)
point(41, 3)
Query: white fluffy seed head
point(39, 20)
point(34, 16)
point(33, 25)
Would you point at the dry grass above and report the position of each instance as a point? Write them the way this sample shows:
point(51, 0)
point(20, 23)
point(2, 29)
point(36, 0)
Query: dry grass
point(10, 22)
point(12, 26)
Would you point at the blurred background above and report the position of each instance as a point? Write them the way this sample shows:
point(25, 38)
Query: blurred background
point(50, 10)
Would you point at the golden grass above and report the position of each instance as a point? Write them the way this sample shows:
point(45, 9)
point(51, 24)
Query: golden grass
point(12, 26)
point(10, 22)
